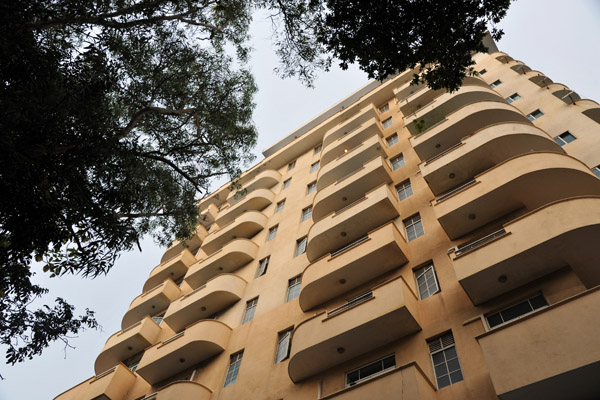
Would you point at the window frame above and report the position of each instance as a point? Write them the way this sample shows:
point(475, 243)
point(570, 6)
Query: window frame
point(248, 316)
point(372, 375)
point(421, 272)
point(272, 232)
point(384, 108)
point(532, 117)
point(318, 149)
point(286, 184)
point(284, 336)
point(596, 171)
point(560, 140)
point(495, 84)
point(279, 206)
point(311, 187)
point(404, 187)
point(442, 349)
point(263, 265)
point(511, 99)
point(315, 166)
point(301, 243)
point(392, 139)
point(399, 157)
point(413, 223)
point(235, 361)
point(388, 122)
point(306, 213)
point(291, 165)
point(293, 283)
point(514, 304)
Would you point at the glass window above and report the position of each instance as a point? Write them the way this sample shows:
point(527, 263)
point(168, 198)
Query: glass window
point(318, 149)
point(496, 83)
point(596, 171)
point(300, 246)
point(445, 360)
point(534, 115)
point(272, 232)
point(404, 190)
point(370, 370)
point(414, 227)
point(426, 281)
point(397, 162)
point(392, 139)
point(234, 367)
point(314, 166)
point(283, 346)
point(306, 213)
point(482, 72)
point(291, 165)
point(513, 97)
point(311, 187)
point(280, 206)
point(384, 108)
point(293, 288)
point(133, 362)
point(158, 318)
point(250, 309)
point(286, 183)
point(564, 138)
point(516, 311)
point(262, 266)
point(388, 122)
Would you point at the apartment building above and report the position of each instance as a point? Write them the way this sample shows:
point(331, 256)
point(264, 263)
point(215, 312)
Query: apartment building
point(405, 244)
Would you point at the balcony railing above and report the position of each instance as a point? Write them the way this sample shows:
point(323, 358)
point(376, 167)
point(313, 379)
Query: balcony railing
point(465, 248)
point(353, 302)
point(452, 192)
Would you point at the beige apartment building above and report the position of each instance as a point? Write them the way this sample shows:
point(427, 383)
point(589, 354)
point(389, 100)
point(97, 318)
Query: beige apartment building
point(405, 244)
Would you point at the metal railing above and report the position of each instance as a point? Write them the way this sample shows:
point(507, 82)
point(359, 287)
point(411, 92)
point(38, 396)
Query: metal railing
point(353, 302)
point(449, 193)
point(443, 153)
point(465, 248)
point(341, 210)
point(349, 246)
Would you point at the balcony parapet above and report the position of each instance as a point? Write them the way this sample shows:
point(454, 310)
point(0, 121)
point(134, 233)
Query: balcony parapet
point(181, 390)
point(151, 302)
point(264, 180)
point(191, 244)
point(173, 268)
point(256, 200)
point(245, 226)
point(348, 125)
point(352, 139)
point(112, 384)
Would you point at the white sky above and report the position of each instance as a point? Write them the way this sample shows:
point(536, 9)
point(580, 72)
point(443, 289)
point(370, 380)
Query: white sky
point(559, 38)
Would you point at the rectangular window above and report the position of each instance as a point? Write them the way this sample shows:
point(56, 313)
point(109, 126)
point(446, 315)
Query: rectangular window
point(496, 83)
point(392, 139)
point(283, 346)
point(384, 108)
point(300, 246)
point(262, 267)
point(482, 72)
point(534, 115)
point(414, 227)
point(272, 232)
point(388, 122)
point(397, 162)
point(250, 309)
point(280, 206)
point(318, 149)
point(133, 362)
point(306, 213)
point(404, 190)
point(596, 171)
point(370, 370)
point(426, 281)
point(564, 138)
point(314, 166)
point(234, 367)
point(158, 318)
point(286, 183)
point(516, 311)
point(445, 360)
point(291, 165)
point(513, 97)
point(293, 288)
point(311, 187)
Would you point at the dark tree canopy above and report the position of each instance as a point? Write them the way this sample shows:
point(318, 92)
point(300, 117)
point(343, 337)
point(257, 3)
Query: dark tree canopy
point(115, 117)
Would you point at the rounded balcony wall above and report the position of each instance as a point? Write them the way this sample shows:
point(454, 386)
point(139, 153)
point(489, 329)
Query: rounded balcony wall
point(245, 226)
point(256, 200)
point(151, 302)
point(264, 180)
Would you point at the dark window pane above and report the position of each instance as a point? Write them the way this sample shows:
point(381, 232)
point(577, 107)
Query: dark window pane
point(352, 377)
point(438, 358)
point(516, 311)
point(450, 353)
point(494, 320)
point(443, 381)
point(441, 369)
point(453, 365)
point(389, 362)
point(538, 302)
point(456, 376)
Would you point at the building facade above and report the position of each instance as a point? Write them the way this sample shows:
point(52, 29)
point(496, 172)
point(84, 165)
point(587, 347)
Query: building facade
point(405, 244)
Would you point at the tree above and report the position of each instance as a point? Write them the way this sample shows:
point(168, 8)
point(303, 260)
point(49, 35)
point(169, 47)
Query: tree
point(116, 116)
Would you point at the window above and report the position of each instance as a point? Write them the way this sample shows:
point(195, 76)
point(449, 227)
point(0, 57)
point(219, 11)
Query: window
point(496, 83)
point(306, 213)
point(426, 281)
point(314, 166)
point(596, 170)
point(234, 367)
point(318, 149)
point(286, 183)
point(280, 206)
point(516, 311)
point(404, 190)
point(392, 139)
point(272, 232)
point(387, 123)
point(311, 187)
point(283, 346)
point(133, 362)
point(250, 308)
point(293, 288)
point(291, 165)
point(564, 138)
point(445, 360)
point(397, 162)
point(262, 267)
point(300, 246)
point(482, 72)
point(513, 97)
point(384, 108)
point(414, 227)
point(534, 115)
point(370, 370)
point(158, 318)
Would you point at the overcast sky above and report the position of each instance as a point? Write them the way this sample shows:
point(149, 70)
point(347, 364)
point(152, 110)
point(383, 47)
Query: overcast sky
point(559, 38)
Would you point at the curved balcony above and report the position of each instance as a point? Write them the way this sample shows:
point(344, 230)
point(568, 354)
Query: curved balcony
point(197, 343)
point(183, 390)
point(559, 234)
point(151, 302)
point(332, 338)
point(192, 244)
point(208, 215)
point(174, 268)
point(461, 123)
point(256, 200)
point(232, 256)
point(530, 180)
point(407, 90)
point(348, 142)
point(112, 384)
point(349, 125)
point(218, 293)
point(382, 250)
point(127, 343)
point(447, 103)
point(245, 226)
point(552, 354)
point(264, 180)
point(349, 162)
point(484, 149)
point(351, 187)
point(351, 222)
